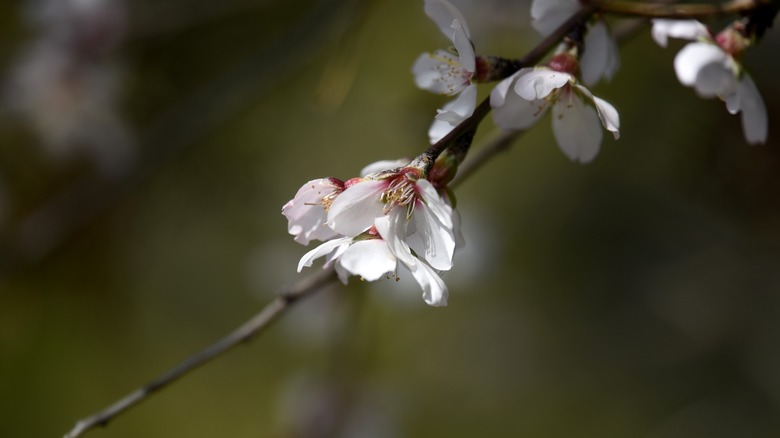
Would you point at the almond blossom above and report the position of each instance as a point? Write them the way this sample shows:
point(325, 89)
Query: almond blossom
point(373, 223)
point(600, 59)
point(523, 98)
point(710, 65)
point(448, 73)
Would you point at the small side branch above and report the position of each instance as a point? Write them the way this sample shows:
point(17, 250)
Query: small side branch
point(244, 333)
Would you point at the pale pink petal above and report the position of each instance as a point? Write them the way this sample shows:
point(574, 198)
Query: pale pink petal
point(354, 210)
point(306, 213)
point(683, 29)
point(369, 259)
point(754, 118)
point(443, 13)
point(576, 128)
point(548, 15)
point(538, 83)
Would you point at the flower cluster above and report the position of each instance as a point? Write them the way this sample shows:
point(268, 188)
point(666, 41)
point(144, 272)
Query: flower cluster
point(522, 99)
point(389, 216)
point(399, 215)
point(710, 64)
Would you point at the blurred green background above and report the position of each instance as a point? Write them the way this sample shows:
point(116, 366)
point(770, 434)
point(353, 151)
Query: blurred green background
point(635, 296)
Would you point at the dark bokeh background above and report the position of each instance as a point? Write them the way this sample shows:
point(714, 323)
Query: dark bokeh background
point(635, 296)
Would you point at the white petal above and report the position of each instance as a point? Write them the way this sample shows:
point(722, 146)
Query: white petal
point(464, 47)
point(381, 166)
point(453, 113)
point(342, 273)
point(733, 100)
point(440, 73)
point(576, 128)
point(370, 259)
point(438, 129)
point(355, 209)
point(433, 220)
point(684, 29)
point(548, 15)
point(694, 57)
point(438, 241)
point(435, 292)
point(461, 108)
point(322, 250)
point(306, 213)
point(511, 111)
point(538, 83)
point(436, 203)
point(443, 13)
point(499, 93)
point(610, 119)
point(754, 118)
point(601, 57)
point(393, 228)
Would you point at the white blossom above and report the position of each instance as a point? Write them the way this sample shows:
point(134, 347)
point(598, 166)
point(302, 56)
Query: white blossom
point(600, 58)
point(448, 73)
point(523, 98)
point(713, 71)
point(387, 216)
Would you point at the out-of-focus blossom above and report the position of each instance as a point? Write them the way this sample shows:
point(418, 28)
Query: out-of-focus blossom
point(710, 66)
point(66, 85)
point(448, 73)
point(522, 99)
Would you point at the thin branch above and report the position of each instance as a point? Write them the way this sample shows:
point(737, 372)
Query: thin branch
point(242, 334)
point(657, 10)
point(312, 284)
point(306, 286)
point(496, 145)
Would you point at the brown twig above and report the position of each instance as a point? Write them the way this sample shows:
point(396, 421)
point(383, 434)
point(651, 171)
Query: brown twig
point(659, 10)
point(301, 289)
point(312, 284)
point(242, 334)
